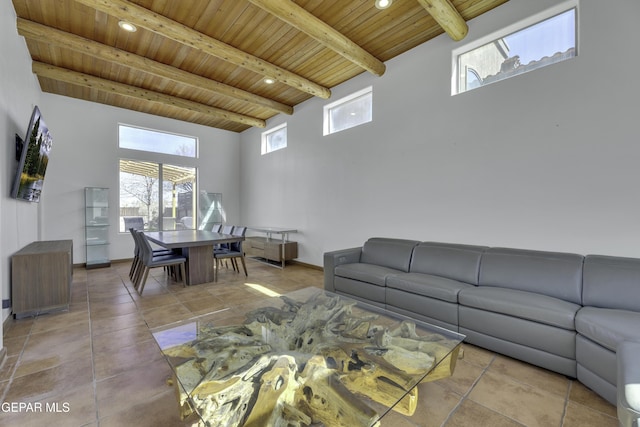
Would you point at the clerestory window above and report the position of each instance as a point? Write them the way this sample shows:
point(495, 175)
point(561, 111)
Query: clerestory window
point(274, 139)
point(350, 111)
point(545, 39)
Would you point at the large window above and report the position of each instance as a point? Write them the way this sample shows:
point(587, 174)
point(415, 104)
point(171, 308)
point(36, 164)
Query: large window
point(543, 40)
point(153, 195)
point(348, 112)
point(157, 195)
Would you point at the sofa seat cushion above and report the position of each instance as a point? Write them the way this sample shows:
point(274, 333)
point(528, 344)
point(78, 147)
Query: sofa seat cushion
point(525, 305)
point(427, 285)
point(608, 327)
point(369, 273)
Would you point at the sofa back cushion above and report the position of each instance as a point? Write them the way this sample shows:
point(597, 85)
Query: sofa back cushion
point(392, 253)
point(611, 282)
point(450, 260)
point(554, 274)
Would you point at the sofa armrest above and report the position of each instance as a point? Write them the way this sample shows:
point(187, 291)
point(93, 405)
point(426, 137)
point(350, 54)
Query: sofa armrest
point(628, 387)
point(335, 258)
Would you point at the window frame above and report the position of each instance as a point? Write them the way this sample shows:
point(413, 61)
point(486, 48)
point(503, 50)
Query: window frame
point(508, 30)
point(326, 110)
point(264, 138)
point(161, 165)
point(196, 141)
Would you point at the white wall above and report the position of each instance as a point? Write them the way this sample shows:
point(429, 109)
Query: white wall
point(85, 153)
point(547, 160)
point(19, 93)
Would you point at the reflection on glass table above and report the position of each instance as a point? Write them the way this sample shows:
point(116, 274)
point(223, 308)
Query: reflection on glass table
point(305, 358)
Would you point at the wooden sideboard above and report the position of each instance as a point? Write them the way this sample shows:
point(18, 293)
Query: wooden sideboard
point(41, 277)
point(270, 249)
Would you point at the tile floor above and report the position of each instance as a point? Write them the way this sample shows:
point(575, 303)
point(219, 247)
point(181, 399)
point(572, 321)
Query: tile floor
point(98, 365)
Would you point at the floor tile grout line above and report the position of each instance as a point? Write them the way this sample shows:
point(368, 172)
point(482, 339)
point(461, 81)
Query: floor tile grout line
point(121, 282)
point(17, 363)
point(567, 396)
point(496, 356)
point(93, 361)
point(140, 313)
point(586, 406)
point(139, 308)
point(466, 394)
point(566, 403)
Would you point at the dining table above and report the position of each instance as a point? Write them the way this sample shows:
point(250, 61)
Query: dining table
point(197, 246)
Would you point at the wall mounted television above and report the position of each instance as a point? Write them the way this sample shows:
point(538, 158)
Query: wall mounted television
point(33, 158)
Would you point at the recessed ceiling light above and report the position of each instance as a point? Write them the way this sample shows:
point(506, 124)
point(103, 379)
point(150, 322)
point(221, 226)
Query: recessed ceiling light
point(127, 26)
point(269, 80)
point(383, 4)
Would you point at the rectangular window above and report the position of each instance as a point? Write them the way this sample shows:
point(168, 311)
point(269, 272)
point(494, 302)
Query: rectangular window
point(348, 112)
point(156, 196)
point(542, 40)
point(274, 139)
point(153, 141)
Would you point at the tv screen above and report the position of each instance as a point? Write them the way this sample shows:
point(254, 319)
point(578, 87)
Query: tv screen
point(34, 157)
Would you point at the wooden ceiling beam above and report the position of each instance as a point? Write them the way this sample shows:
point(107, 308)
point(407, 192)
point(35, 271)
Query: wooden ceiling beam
point(180, 33)
point(41, 33)
point(299, 18)
point(448, 17)
point(85, 80)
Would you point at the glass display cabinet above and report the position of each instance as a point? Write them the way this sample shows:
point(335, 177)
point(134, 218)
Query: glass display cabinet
point(97, 227)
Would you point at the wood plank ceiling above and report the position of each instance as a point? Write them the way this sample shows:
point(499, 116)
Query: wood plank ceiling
point(206, 61)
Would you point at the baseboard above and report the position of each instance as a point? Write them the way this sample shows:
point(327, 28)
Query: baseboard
point(293, 261)
point(113, 261)
point(5, 323)
point(304, 264)
point(121, 261)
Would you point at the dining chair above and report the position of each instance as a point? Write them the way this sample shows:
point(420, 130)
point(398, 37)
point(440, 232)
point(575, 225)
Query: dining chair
point(220, 248)
point(135, 222)
point(136, 263)
point(132, 223)
point(149, 261)
point(216, 228)
point(233, 252)
point(227, 229)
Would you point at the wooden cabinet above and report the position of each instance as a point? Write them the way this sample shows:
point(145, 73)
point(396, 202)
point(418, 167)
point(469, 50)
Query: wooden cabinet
point(271, 249)
point(41, 277)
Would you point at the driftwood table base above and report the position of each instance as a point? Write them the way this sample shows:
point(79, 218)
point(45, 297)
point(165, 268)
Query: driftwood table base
point(306, 363)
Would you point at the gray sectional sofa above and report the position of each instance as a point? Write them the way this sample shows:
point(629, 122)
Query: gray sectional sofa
point(573, 314)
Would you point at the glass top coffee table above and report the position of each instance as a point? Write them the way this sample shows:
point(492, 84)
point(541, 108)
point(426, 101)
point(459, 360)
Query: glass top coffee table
point(306, 358)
